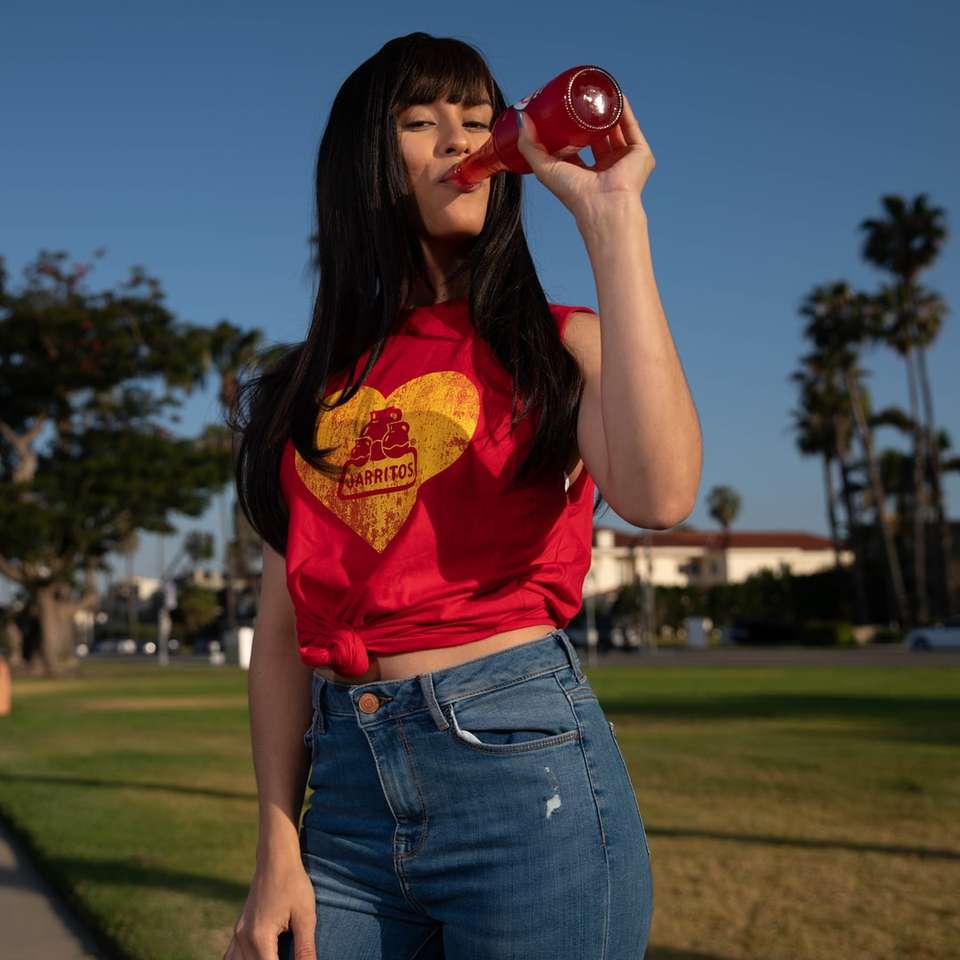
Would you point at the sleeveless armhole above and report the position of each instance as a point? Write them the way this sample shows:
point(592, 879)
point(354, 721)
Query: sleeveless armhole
point(562, 313)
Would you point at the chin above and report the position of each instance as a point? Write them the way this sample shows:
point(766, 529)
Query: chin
point(458, 230)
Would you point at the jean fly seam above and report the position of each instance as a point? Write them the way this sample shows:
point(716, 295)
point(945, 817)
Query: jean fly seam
point(396, 830)
point(425, 822)
point(416, 953)
point(404, 887)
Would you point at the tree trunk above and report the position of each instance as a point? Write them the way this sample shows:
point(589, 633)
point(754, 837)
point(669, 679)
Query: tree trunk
point(831, 509)
point(856, 543)
point(948, 588)
point(898, 594)
point(56, 630)
point(919, 506)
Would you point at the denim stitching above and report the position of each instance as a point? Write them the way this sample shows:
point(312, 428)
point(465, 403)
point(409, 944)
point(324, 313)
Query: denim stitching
point(586, 764)
point(636, 802)
point(462, 696)
point(524, 746)
point(603, 835)
point(416, 782)
point(430, 936)
point(504, 686)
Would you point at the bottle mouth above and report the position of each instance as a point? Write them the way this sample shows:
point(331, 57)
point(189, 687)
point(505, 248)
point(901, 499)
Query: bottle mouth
point(595, 98)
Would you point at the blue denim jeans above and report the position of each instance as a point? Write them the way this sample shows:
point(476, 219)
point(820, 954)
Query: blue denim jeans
point(479, 812)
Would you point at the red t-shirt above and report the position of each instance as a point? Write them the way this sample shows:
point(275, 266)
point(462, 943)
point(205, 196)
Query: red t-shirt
point(419, 543)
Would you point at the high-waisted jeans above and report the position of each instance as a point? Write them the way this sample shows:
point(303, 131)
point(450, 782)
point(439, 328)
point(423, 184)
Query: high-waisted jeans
point(479, 812)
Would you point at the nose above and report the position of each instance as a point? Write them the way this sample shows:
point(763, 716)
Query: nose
point(457, 142)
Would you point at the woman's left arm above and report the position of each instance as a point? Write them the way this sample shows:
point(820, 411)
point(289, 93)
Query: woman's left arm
point(637, 416)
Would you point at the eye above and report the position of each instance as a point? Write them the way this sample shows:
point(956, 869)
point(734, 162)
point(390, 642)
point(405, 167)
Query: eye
point(476, 123)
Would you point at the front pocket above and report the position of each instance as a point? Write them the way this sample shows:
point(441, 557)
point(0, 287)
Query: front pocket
point(526, 715)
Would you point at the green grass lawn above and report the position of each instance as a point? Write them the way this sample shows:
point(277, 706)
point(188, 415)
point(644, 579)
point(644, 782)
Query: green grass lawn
point(797, 813)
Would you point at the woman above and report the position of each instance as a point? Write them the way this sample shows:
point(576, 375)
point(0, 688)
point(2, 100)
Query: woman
point(426, 543)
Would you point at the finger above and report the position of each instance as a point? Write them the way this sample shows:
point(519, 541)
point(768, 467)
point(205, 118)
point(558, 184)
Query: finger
point(617, 138)
point(528, 130)
point(600, 149)
point(628, 123)
point(527, 143)
point(304, 931)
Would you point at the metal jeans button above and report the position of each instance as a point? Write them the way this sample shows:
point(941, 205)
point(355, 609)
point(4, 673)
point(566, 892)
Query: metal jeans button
point(368, 702)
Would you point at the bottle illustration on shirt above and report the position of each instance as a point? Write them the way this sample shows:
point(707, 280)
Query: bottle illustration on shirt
point(383, 458)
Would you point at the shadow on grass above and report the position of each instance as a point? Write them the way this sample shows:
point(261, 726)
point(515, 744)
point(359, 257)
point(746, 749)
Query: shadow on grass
point(911, 719)
point(818, 843)
point(62, 874)
point(668, 953)
point(937, 853)
point(113, 784)
point(128, 874)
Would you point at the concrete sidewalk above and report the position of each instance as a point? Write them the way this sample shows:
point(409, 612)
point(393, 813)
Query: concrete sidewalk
point(34, 921)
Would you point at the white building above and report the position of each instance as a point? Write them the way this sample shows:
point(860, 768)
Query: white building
point(687, 556)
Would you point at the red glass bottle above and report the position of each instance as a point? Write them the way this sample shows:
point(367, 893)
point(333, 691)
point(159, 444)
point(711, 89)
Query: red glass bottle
point(576, 108)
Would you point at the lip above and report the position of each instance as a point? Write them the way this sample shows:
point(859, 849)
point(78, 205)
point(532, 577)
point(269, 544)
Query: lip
point(467, 189)
point(449, 170)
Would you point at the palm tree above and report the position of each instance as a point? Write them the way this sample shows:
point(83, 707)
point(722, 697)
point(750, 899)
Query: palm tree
point(823, 426)
point(905, 242)
point(839, 323)
point(723, 505)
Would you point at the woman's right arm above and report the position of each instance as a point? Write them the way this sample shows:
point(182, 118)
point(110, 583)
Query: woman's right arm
point(279, 688)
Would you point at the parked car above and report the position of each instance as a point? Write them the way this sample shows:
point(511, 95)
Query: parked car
point(115, 645)
point(760, 632)
point(943, 635)
point(577, 632)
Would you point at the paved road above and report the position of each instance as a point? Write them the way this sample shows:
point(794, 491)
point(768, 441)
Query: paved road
point(34, 921)
point(881, 655)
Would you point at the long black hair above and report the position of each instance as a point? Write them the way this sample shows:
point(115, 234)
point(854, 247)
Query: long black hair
point(369, 261)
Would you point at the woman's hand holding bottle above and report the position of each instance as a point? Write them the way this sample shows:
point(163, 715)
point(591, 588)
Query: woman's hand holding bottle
point(622, 163)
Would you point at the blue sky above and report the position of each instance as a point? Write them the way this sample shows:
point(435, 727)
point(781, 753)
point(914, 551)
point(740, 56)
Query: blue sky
point(183, 136)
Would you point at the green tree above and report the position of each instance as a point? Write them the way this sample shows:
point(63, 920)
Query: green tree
point(723, 504)
point(839, 323)
point(823, 426)
point(904, 243)
point(84, 459)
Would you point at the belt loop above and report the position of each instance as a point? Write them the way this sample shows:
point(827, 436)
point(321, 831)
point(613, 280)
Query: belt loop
point(430, 697)
point(319, 681)
point(567, 644)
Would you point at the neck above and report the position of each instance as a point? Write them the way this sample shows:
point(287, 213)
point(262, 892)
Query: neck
point(441, 261)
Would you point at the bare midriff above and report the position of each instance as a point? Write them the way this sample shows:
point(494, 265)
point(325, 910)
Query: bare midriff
point(401, 666)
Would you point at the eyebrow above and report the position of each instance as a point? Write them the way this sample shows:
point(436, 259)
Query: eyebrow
point(466, 106)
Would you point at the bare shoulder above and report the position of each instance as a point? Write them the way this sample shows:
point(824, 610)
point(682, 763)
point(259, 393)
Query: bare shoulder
point(581, 337)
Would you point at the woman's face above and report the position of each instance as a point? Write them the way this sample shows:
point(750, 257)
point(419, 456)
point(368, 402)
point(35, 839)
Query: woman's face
point(433, 137)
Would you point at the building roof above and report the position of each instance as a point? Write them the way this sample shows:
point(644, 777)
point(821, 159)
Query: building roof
point(716, 539)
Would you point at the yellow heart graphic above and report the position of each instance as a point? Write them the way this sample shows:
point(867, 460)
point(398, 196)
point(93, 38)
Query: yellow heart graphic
point(388, 447)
